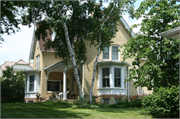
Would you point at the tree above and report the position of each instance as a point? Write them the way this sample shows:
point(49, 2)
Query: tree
point(12, 85)
point(72, 22)
point(160, 68)
point(106, 29)
point(11, 16)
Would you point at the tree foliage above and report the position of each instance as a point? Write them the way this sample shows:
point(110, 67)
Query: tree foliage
point(12, 86)
point(11, 16)
point(164, 103)
point(160, 68)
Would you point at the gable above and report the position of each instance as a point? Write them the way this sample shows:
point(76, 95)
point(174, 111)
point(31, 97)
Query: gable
point(35, 41)
point(41, 42)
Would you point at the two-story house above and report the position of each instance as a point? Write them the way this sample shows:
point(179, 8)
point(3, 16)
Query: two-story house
point(50, 75)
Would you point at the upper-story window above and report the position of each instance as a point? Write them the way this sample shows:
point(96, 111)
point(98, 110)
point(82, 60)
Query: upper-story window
point(38, 62)
point(37, 44)
point(106, 53)
point(115, 53)
point(105, 73)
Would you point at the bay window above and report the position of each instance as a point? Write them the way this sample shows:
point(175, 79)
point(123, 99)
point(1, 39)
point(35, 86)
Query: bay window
point(31, 83)
point(105, 76)
point(117, 77)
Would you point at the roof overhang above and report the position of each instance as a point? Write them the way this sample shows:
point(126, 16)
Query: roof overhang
point(173, 33)
point(31, 71)
point(33, 44)
point(119, 63)
point(59, 66)
point(127, 26)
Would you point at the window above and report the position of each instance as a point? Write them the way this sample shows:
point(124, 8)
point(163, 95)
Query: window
point(106, 100)
point(31, 83)
point(116, 100)
point(117, 77)
point(125, 77)
point(115, 53)
point(106, 53)
point(37, 43)
point(37, 62)
point(105, 74)
point(53, 86)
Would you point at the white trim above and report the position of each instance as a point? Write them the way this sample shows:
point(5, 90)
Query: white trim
point(112, 89)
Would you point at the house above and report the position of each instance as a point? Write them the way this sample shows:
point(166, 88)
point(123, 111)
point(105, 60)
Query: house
point(172, 33)
point(20, 65)
point(50, 75)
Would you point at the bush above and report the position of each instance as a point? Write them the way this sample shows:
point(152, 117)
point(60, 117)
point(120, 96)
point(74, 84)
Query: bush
point(164, 103)
point(12, 86)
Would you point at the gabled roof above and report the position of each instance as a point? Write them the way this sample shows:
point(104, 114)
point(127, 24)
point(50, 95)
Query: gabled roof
point(41, 42)
point(11, 63)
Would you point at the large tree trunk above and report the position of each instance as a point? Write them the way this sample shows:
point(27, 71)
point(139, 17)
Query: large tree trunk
point(71, 53)
point(95, 63)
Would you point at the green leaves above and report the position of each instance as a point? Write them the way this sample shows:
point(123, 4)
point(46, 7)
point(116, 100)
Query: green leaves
point(12, 86)
point(160, 67)
point(163, 103)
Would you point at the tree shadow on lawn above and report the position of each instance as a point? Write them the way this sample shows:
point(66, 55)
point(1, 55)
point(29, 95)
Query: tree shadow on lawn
point(39, 110)
point(124, 110)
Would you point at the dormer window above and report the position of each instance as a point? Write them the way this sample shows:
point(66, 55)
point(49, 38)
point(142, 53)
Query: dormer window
point(106, 53)
point(115, 53)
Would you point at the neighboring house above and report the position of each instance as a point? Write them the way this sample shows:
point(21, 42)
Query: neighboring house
point(50, 75)
point(17, 66)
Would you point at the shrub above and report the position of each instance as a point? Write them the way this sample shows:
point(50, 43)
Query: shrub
point(12, 86)
point(164, 103)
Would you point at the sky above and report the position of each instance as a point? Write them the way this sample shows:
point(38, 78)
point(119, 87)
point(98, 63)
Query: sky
point(17, 46)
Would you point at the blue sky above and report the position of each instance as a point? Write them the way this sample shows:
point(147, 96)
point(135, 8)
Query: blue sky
point(17, 46)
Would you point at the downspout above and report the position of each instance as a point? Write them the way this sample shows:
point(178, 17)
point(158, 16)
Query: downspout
point(137, 75)
point(128, 81)
point(83, 79)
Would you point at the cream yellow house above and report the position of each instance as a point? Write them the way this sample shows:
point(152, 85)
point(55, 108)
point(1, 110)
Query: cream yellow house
point(50, 75)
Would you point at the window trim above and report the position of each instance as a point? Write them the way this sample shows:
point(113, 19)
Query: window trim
point(118, 77)
point(118, 53)
point(109, 54)
point(30, 83)
point(109, 76)
point(54, 91)
point(38, 61)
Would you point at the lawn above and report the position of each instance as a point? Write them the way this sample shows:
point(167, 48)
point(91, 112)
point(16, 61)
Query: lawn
point(67, 110)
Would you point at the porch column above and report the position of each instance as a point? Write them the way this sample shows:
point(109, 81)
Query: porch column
point(64, 84)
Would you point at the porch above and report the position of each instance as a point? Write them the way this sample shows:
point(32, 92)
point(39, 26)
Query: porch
point(60, 79)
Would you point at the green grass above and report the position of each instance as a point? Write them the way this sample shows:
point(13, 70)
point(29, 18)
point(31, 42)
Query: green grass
point(65, 110)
